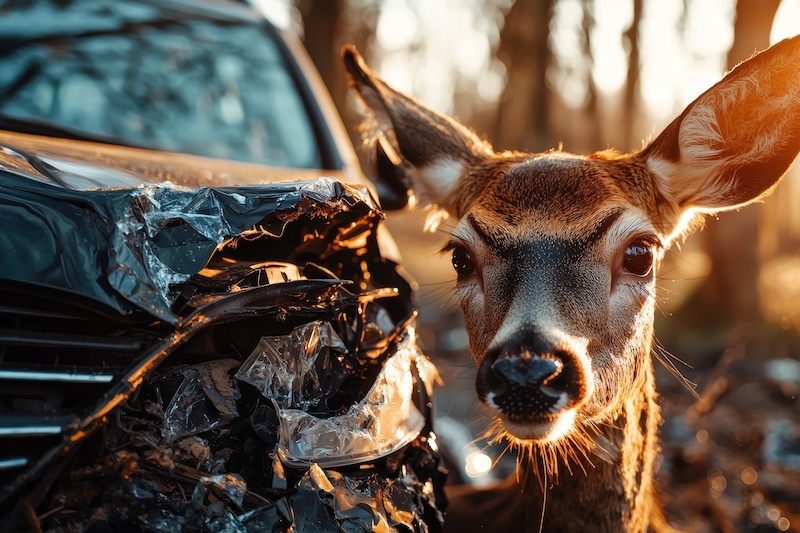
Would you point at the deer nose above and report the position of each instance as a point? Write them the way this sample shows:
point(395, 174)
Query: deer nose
point(527, 379)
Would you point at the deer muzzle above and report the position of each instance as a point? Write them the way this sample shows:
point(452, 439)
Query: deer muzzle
point(531, 383)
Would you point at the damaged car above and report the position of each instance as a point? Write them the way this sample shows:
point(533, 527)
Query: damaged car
point(192, 343)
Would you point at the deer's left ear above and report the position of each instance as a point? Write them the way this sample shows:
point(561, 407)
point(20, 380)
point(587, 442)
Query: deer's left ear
point(430, 151)
point(735, 142)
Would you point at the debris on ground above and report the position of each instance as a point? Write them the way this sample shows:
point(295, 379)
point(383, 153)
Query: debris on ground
point(731, 454)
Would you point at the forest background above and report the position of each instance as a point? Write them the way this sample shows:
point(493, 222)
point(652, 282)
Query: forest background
point(586, 75)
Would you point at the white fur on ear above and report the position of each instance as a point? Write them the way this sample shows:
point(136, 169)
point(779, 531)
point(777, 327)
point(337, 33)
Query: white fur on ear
point(438, 179)
point(706, 154)
point(735, 142)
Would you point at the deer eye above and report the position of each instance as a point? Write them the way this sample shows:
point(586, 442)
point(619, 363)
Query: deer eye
point(638, 258)
point(462, 262)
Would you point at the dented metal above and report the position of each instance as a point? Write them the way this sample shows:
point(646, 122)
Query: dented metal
point(282, 388)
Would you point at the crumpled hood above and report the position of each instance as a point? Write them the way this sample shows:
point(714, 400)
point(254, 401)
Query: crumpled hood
point(127, 248)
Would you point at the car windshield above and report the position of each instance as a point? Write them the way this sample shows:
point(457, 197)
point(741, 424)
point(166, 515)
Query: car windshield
point(215, 86)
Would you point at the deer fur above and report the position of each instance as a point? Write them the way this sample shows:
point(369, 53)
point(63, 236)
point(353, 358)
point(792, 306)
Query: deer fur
point(556, 257)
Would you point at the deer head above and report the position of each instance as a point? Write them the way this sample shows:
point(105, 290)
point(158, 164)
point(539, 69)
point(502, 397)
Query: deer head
point(556, 254)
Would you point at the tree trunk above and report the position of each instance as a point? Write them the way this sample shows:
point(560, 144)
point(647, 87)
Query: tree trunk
point(320, 38)
point(732, 291)
point(522, 118)
point(630, 102)
point(590, 111)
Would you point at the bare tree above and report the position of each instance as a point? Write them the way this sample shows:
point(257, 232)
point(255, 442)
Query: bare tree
point(630, 102)
point(751, 29)
point(320, 37)
point(590, 111)
point(328, 25)
point(522, 118)
point(732, 293)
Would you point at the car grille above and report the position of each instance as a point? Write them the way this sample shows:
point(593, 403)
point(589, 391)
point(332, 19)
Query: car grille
point(56, 361)
point(63, 372)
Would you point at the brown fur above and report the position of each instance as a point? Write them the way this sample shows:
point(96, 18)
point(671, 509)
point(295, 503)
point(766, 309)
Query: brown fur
point(556, 255)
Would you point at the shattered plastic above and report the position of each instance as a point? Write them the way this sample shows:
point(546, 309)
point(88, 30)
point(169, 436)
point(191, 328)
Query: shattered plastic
point(383, 422)
point(231, 486)
point(205, 397)
point(285, 368)
point(217, 469)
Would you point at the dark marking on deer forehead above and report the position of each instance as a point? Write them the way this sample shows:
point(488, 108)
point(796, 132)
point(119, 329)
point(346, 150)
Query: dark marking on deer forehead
point(558, 194)
point(546, 264)
point(509, 246)
point(552, 262)
point(569, 188)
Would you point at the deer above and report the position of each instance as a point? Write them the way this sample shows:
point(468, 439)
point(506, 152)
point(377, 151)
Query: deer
point(555, 257)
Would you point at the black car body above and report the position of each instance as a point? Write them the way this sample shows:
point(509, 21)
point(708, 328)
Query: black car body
point(191, 343)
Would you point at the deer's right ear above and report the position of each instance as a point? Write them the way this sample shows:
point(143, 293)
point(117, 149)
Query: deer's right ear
point(430, 152)
point(733, 144)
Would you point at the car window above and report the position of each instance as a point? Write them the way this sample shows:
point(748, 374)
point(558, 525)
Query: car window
point(199, 85)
